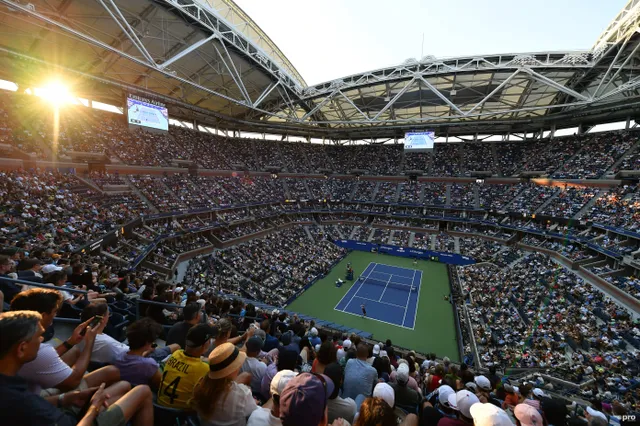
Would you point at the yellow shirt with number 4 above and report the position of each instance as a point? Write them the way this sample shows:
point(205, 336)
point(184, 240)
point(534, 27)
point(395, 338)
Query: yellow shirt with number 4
point(181, 373)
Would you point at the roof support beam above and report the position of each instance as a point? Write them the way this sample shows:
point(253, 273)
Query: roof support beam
point(186, 51)
point(555, 85)
point(441, 96)
point(395, 98)
point(127, 30)
point(266, 93)
point(320, 105)
point(234, 74)
point(624, 64)
point(366, 117)
point(493, 92)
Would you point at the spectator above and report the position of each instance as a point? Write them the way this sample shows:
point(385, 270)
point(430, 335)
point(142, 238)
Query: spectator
point(271, 417)
point(376, 412)
point(405, 396)
point(222, 397)
point(511, 399)
point(359, 376)
point(8, 288)
point(325, 356)
point(487, 415)
point(178, 331)
point(63, 367)
point(433, 379)
point(286, 360)
point(270, 341)
point(339, 407)
point(527, 415)
point(135, 367)
point(314, 339)
point(223, 329)
point(21, 333)
point(461, 401)
point(184, 369)
point(432, 414)
point(253, 365)
point(105, 348)
point(304, 400)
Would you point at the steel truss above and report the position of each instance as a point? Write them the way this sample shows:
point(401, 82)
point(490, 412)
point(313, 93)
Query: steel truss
point(489, 91)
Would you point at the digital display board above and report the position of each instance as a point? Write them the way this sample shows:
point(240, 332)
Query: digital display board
point(419, 141)
point(147, 113)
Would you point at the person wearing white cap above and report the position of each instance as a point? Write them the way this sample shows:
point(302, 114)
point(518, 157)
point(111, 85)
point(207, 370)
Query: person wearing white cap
point(592, 413)
point(271, 417)
point(405, 396)
point(376, 353)
point(489, 415)
point(527, 415)
point(483, 388)
point(461, 401)
point(313, 337)
point(386, 392)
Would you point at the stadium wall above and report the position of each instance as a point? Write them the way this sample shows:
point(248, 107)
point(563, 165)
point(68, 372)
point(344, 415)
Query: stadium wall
point(448, 258)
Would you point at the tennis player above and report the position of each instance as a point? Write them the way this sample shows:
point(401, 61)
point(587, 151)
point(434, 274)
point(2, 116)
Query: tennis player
point(364, 310)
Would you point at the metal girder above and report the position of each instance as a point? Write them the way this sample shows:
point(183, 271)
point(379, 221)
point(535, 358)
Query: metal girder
point(493, 92)
point(145, 63)
point(126, 29)
point(435, 67)
point(186, 51)
point(395, 98)
point(208, 18)
point(440, 95)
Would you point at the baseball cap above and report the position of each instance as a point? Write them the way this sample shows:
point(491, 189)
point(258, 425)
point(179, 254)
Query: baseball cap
point(527, 415)
point(280, 381)
point(489, 415)
point(314, 332)
point(376, 349)
point(483, 382)
point(402, 375)
point(254, 344)
point(199, 334)
point(346, 344)
point(539, 392)
point(596, 413)
point(464, 401)
point(443, 394)
point(47, 269)
point(304, 400)
point(472, 387)
point(386, 392)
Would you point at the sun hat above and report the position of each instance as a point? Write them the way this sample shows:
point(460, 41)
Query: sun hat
point(224, 360)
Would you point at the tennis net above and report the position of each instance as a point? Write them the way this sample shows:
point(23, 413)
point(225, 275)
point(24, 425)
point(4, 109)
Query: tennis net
point(405, 287)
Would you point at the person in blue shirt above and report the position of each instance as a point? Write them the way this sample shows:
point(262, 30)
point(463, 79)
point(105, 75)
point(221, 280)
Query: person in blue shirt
point(270, 342)
point(359, 375)
point(313, 337)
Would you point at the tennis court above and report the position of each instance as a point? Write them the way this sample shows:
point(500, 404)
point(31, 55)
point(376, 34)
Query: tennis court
point(390, 295)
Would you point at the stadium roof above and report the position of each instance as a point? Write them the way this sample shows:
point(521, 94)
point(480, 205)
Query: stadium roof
point(209, 60)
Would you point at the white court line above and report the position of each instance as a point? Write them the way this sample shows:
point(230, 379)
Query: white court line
point(359, 287)
point(385, 288)
point(415, 312)
point(371, 318)
point(407, 304)
point(398, 267)
point(382, 303)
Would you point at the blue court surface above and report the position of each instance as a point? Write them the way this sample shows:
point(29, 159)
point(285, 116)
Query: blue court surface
point(390, 294)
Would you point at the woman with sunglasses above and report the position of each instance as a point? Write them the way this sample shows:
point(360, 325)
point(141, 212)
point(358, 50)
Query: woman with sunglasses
point(223, 397)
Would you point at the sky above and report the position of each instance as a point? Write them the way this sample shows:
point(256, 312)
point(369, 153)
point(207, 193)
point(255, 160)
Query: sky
point(330, 39)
